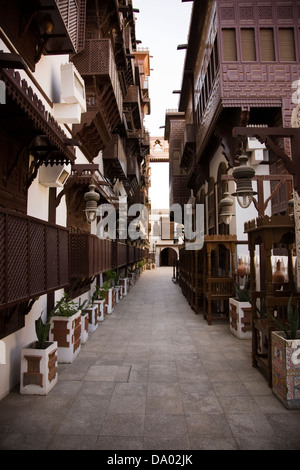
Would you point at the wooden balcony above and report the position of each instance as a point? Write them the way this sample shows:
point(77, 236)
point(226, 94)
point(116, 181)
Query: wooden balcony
point(188, 148)
point(114, 158)
point(25, 24)
point(133, 169)
point(97, 59)
point(132, 108)
point(96, 64)
point(91, 255)
point(34, 260)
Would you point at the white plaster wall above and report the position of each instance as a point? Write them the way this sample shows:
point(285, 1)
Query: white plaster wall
point(47, 74)
point(10, 371)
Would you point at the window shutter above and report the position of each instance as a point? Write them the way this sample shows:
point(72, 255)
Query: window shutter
point(267, 45)
point(229, 45)
point(287, 45)
point(69, 12)
point(248, 44)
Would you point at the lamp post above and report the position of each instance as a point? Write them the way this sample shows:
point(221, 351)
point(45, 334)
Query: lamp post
point(91, 198)
point(225, 206)
point(243, 175)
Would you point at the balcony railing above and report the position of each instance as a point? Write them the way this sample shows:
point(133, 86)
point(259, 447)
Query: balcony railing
point(34, 258)
point(91, 255)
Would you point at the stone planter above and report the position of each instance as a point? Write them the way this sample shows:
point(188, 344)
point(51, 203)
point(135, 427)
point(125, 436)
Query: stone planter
point(118, 292)
point(132, 279)
point(67, 332)
point(84, 328)
point(286, 369)
point(110, 301)
point(125, 285)
point(101, 309)
point(240, 318)
point(38, 369)
point(92, 312)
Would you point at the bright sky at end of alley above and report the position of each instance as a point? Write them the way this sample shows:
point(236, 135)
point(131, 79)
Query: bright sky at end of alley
point(162, 25)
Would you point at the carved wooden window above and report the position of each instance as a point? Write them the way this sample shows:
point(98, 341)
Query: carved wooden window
point(286, 44)
point(267, 49)
point(248, 45)
point(229, 45)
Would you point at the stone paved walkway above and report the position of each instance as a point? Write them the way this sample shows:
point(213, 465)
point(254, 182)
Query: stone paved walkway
point(154, 376)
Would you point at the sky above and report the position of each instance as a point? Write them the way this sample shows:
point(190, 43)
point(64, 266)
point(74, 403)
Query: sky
point(162, 25)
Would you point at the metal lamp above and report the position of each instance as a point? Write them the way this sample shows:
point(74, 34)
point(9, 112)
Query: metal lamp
point(225, 206)
point(243, 175)
point(91, 198)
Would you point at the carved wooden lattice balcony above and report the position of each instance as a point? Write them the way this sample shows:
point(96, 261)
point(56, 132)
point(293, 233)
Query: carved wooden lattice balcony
point(132, 108)
point(34, 258)
point(97, 59)
point(188, 147)
point(114, 158)
point(89, 254)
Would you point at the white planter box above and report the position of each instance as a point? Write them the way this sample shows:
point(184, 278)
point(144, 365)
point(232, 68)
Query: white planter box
point(93, 317)
point(38, 369)
point(286, 369)
point(240, 319)
point(119, 293)
point(101, 309)
point(125, 284)
point(110, 301)
point(84, 328)
point(67, 332)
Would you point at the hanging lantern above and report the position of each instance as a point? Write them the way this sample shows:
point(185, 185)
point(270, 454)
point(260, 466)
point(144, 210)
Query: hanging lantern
point(91, 198)
point(243, 175)
point(225, 206)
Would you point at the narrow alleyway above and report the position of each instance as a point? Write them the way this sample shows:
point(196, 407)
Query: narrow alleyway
point(154, 376)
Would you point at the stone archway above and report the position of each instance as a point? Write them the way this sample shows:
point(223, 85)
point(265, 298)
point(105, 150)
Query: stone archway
point(168, 256)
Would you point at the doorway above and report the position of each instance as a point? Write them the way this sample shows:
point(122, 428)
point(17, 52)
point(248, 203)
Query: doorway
point(167, 257)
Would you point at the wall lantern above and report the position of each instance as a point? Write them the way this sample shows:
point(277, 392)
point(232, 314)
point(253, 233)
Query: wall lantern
point(91, 198)
point(225, 206)
point(243, 175)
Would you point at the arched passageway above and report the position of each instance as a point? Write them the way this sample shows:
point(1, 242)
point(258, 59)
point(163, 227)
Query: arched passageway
point(167, 257)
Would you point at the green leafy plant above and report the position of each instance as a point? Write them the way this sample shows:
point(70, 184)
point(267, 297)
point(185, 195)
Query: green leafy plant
point(109, 277)
point(64, 308)
point(243, 295)
point(290, 328)
point(42, 331)
point(83, 305)
point(104, 289)
point(96, 294)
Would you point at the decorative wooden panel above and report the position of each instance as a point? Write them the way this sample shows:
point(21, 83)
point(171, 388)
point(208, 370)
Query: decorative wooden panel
point(32, 261)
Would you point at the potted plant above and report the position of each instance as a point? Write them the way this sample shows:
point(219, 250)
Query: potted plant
point(117, 286)
point(91, 309)
point(110, 296)
point(39, 362)
point(240, 311)
point(286, 358)
point(98, 300)
point(66, 329)
point(124, 282)
point(84, 321)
